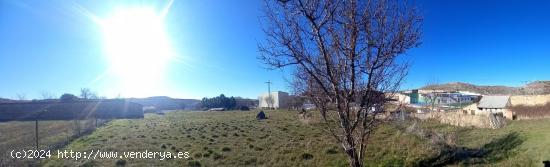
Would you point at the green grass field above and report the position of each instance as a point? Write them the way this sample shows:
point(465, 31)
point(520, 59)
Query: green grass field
point(520, 143)
point(20, 135)
point(236, 138)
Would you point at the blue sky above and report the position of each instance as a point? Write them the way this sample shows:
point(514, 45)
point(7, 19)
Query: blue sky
point(57, 47)
point(487, 42)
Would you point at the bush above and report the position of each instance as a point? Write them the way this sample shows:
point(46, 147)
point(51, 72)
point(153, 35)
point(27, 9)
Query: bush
point(332, 151)
point(120, 162)
point(217, 156)
point(307, 156)
point(244, 108)
point(194, 164)
point(67, 97)
point(219, 102)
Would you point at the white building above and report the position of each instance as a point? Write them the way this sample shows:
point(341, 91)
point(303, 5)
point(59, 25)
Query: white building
point(491, 105)
point(446, 98)
point(278, 100)
point(399, 98)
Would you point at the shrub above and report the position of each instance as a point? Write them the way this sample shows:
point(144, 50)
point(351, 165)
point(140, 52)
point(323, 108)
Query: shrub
point(67, 97)
point(332, 151)
point(120, 162)
point(194, 164)
point(244, 108)
point(307, 156)
point(217, 156)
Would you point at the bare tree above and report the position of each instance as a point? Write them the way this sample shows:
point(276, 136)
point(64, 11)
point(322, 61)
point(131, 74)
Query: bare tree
point(269, 101)
point(21, 96)
point(94, 96)
point(296, 102)
point(47, 95)
point(85, 93)
point(345, 57)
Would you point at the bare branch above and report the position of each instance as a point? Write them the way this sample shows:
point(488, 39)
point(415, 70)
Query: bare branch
point(345, 58)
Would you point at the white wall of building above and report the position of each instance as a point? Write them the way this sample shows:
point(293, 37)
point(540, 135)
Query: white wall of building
point(280, 100)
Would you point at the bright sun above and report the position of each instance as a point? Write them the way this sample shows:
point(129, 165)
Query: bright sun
point(137, 48)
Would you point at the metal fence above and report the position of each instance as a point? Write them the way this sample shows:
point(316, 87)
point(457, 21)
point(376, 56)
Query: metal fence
point(17, 136)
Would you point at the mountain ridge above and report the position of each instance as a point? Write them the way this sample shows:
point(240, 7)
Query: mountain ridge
point(533, 88)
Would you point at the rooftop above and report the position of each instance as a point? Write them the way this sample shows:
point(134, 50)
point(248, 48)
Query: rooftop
point(493, 102)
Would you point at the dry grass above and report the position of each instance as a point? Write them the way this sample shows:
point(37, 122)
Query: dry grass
point(520, 143)
point(236, 138)
point(17, 135)
point(532, 112)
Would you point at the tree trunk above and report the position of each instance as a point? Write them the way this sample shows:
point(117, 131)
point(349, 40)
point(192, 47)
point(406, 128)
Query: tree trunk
point(353, 158)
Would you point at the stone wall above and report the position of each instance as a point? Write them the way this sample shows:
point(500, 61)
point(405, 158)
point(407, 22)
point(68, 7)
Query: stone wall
point(465, 120)
point(525, 117)
point(529, 100)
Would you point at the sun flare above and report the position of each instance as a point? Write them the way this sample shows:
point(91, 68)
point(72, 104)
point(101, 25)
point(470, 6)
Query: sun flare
point(137, 48)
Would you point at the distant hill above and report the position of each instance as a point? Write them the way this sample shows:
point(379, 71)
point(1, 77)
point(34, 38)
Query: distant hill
point(2, 100)
point(159, 102)
point(537, 87)
point(167, 103)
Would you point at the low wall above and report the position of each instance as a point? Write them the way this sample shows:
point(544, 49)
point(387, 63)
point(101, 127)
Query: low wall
point(464, 120)
point(529, 100)
point(102, 109)
point(524, 117)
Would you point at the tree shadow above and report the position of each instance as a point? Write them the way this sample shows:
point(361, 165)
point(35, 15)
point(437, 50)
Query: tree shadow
point(494, 151)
